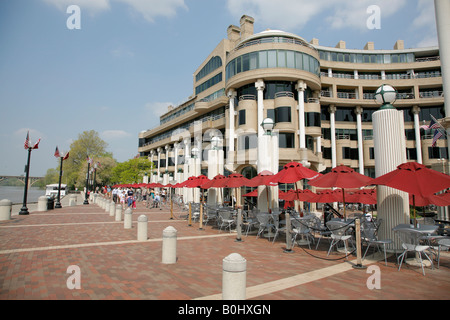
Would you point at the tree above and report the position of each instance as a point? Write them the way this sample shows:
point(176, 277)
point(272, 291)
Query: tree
point(131, 171)
point(89, 144)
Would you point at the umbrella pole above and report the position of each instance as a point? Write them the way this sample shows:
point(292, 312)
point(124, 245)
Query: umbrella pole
point(414, 208)
point(343, 200)
point(267, 195)
point(298, 200)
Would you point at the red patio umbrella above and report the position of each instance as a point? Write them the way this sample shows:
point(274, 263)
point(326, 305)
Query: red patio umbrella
point(341, 177)
point(364, 196)
point(416, 179)
point(422, 201)
point(293, 172)
point(234, 180)
point(214, 182)
point(301, 195)
point(264, 178)
point(326, 196)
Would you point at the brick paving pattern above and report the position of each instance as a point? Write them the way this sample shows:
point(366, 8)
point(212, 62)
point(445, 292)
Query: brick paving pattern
point(36, 250)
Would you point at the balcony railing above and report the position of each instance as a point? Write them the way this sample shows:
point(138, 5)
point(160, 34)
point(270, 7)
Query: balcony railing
point(281, 94)
point(346, 95)
point(247, 97)
point(431, 94)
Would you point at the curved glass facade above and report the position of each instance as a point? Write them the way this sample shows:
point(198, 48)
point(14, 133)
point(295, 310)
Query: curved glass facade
point(272, 59)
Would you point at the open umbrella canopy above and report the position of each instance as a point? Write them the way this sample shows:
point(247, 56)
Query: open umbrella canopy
point(327, 196)
point(341, 177)
point(422, 201)
point(281, 194)
point(364, 196)
point(195, 182)
point(264, 178)
point(293, 172)
point(414, 178)
point(214, 182)
point(300, 195)
point(234, 180)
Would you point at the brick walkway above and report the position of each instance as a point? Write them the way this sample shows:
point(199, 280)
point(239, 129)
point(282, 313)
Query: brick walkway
point(36, 251)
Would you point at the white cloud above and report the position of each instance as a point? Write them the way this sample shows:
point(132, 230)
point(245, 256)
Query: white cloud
point(158, 108)
point(114, 134)
point(426, 20)
point(92, 6)
point(292, 14)
point(149, 9)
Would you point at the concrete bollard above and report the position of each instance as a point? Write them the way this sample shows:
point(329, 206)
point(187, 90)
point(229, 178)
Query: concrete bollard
point(142, 230)
point(119, 212)
point(5, 209)
point(72, 200)
point(169, 245)
point(112, 209)
point(128, 219)
point(234, 277)
point(42, 203)
point(107, 205)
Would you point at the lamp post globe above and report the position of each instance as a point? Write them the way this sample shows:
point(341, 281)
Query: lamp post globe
point(268, 124)
point(386, 96)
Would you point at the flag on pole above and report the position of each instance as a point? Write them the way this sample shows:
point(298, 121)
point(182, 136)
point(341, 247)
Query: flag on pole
point(434, 124)
point(57, 154)
point(66, 156)
point(26, 145)
point(436, 137)
point(36, 145)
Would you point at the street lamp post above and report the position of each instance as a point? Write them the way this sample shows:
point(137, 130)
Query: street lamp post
point(58, 200)
point(28, 146)
point(24, 209)
point(87, 183)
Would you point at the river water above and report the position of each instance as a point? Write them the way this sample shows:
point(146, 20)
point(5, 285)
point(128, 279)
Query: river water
point(15, 194)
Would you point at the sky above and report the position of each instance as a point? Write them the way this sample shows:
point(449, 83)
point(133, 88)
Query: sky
point(130, 59)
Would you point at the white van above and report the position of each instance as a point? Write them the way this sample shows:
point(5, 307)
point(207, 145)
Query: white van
point(51, 190)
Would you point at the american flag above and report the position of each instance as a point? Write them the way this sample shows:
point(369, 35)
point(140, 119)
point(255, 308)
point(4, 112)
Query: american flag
point(36, 145)
point(57, 154)
point(434, 124)
point(26, 145)
point(66, 156)
point(436, 137)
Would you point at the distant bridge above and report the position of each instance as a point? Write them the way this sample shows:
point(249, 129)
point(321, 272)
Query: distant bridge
point(31, 180)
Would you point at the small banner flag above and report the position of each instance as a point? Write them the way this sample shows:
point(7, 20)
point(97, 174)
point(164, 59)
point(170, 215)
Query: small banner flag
point(57, 154)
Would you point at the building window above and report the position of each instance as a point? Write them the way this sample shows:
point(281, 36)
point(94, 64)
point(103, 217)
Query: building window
point(271, 114)
point(437, 153)
point(411, 153)
point(312, 119)
point(283, 114)
point(241, 117)
point(286, 140)
point(349, 153)
point(410, 134)
point(326, 153)
point(371, 153)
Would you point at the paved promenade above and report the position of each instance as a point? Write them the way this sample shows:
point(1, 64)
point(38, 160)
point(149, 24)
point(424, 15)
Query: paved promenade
point(37, 250)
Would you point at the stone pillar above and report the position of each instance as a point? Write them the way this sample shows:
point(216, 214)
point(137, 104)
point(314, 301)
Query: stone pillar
point(390, 151)
point(301, 87)
point(416, 111)
point(159, 150)
point(231, 96)
point(112, 209)
point(169, 245)
point(73, 200)
point(142, 228)
point(234, 277)
point(119, 212)
point(358, 111)
point(5, 209)
point(260, 88)
point(128, 219)
point(332, 110)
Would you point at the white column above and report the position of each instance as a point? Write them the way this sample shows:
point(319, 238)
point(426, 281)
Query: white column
point(152, 152)
point(358, 112)
point(318, 144)
point(260, 87)
point(167, 157)
point(301, 87)
point(383, 75)
point(332, 110)
point(231, 95)
point(442, 8)
point(416, 111)
point(159, 150)
point(390, 151)
point(187, 196)
point(268, 159)
point(175, 173)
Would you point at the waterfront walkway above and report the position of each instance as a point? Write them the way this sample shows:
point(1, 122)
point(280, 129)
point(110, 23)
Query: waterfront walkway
point(37, 250)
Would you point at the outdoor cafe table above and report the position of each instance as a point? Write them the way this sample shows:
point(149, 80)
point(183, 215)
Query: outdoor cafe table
point(427, 230)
